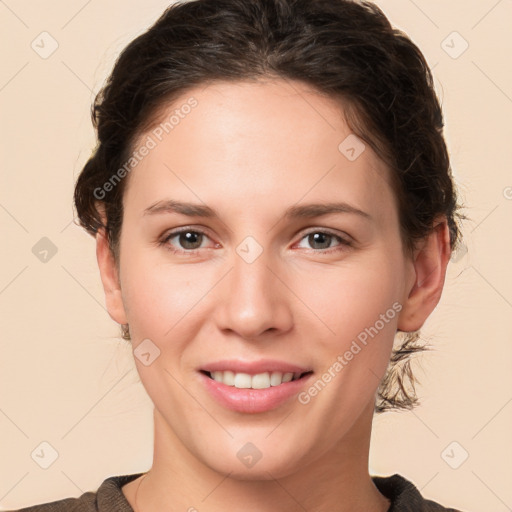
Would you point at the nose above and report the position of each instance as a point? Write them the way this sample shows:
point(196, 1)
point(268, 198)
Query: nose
point(254, 300)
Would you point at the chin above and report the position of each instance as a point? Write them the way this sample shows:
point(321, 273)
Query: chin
point(268, 470)
point(258, 460)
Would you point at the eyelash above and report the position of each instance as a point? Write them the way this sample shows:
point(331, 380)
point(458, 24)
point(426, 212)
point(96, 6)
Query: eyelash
point(343, 243)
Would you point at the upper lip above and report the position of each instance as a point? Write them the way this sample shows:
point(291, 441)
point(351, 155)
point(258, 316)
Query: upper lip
point(254, 367)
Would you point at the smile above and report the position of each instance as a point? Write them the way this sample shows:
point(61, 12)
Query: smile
point(258, 381)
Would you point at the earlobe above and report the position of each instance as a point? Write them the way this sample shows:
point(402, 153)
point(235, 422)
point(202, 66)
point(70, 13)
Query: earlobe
point(110, 278)
point(430, 262)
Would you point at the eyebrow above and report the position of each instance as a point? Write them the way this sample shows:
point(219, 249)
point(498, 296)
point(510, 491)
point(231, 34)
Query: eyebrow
point(296, 211)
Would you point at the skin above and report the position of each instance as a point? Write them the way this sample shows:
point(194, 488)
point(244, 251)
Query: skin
point(250, 150)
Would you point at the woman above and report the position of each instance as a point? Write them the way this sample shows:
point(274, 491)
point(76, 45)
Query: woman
point(272, 202)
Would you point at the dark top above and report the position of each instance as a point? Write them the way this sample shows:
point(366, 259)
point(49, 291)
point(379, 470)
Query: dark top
point(109, 497)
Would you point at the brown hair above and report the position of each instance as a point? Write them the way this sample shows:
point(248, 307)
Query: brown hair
point(343, 49)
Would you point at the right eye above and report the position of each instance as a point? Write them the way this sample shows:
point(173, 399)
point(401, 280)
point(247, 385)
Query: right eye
point(189, 239)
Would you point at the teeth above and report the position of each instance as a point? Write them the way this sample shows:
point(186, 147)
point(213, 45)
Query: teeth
point(228, 378)
point(258, 381)
point(276, 378)
point(287, 377)
point(242, 380)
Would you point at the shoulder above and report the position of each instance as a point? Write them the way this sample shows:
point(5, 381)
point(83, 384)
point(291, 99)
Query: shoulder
point(405, 497)
point(108, 498)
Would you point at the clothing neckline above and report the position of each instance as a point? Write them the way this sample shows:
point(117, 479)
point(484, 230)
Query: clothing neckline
point(395, 488)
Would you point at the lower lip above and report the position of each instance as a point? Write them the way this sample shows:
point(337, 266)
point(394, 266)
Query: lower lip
point(250, 400)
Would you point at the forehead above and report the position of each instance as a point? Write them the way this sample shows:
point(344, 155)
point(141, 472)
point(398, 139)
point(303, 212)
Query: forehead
point(277, 140)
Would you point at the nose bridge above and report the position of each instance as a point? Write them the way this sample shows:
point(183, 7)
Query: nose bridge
point(251, 273)
point(253, 299)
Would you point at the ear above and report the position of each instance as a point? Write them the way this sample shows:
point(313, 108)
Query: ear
point(110, 278)
point(429, 270)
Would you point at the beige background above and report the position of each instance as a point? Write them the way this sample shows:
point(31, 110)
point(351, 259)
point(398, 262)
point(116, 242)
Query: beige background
point(67, 380)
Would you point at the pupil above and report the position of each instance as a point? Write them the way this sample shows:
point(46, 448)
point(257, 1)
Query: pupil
point(188, 238)
point(313, 238)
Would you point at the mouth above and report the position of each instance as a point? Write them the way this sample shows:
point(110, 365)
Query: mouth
point(253, 386)
point(262, 380)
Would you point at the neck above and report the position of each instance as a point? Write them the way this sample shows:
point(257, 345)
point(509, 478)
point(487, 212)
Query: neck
point(336, 480)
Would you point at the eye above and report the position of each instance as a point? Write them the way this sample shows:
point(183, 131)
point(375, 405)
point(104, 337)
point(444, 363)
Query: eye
point(322, 240)
point(190, 240)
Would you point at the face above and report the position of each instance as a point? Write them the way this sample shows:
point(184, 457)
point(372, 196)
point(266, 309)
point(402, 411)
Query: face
point(249, 277)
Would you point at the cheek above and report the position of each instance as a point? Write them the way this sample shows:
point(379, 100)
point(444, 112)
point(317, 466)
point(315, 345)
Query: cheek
point(156, 294)
point(160, 299)
point(359, 308)
point(351, 297)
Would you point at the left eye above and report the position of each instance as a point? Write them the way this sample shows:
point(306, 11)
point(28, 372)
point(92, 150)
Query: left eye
point(323, 239)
